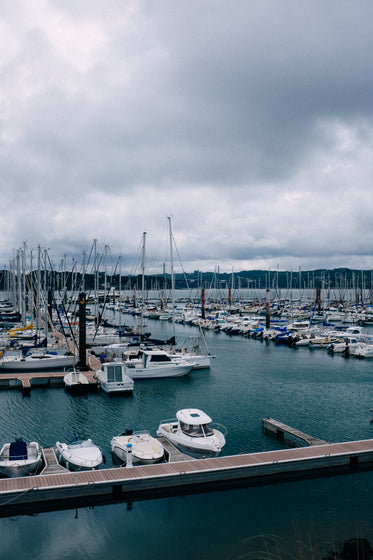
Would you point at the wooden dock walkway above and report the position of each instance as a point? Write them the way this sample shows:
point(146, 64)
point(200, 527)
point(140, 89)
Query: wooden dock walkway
point(172, 453)
point(25, 381)
point(52, 466)
point(142, 482)
point(278, 429)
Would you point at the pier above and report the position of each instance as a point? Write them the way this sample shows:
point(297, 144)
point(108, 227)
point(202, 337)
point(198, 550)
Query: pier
point(67, 489)
point(25, 381)
point(279, 430)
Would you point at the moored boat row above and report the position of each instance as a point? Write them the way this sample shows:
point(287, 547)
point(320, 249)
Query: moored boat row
point(192, 432)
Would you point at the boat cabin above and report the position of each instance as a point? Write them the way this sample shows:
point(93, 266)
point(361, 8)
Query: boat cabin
point(151, 357)
point(194, 423)
point(114, 372)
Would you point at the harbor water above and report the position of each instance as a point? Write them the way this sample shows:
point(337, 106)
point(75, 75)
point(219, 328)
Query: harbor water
point(326, 396)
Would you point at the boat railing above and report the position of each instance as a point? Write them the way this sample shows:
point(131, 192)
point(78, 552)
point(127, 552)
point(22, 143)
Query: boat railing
point(171, 421)
point(220, 428)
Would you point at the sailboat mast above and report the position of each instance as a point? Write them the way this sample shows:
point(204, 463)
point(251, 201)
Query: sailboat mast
point(142, 282)
point(172, 274)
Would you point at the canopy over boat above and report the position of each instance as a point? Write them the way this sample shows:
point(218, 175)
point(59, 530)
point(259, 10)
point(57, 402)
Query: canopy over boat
point(193, 416)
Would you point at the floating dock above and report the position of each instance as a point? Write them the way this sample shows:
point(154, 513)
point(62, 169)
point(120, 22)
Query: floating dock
point(72, 489)
point(280, 431)
point(25, 381)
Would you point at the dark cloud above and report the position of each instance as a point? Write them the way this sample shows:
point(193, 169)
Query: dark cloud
point(250, 123)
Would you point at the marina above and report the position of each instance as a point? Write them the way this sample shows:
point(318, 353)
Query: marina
point(250, 381)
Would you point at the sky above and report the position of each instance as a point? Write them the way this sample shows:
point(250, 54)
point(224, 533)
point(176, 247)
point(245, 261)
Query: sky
point(249, 123)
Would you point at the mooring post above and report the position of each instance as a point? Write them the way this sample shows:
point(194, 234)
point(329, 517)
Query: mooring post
point(268, 312)
point(82, 364)
point(129, 455)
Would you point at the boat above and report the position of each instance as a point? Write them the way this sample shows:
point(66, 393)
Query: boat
point(145, 448)
point(36, 361)
point(113, 378)
point(76, 382)
point(19, 458)
point(193, 432)
point(349, 345)
point(79, 454)
point(197, 361)
point(364, 351)
point(154, 364)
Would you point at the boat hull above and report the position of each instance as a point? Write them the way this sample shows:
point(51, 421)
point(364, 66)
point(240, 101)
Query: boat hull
point(79, 456)
point(20, 467)
point(36, 364)
point(158, 372)
point(76, 383)
point(146, 450)
point(196, 447)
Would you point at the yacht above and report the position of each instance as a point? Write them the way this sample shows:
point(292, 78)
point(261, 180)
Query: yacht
point(79, 454)
point(192, 431)
point(113, 378)
point(145, 448)
point(19, 458)
point(156, 363)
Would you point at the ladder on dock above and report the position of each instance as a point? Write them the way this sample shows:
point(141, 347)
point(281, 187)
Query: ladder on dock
point(52, 466)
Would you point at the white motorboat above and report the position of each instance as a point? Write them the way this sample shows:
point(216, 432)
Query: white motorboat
point(145, 448)
point(155, 364)
point(192, 430)
point(76, 382)
point(36, 361)
point(196, 359)
point(364, 351)
point(113, 378)
point(79, 454)
point(19, 458)
point(349, 345)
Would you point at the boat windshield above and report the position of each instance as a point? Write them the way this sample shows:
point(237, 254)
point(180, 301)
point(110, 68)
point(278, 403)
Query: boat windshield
point(196, 430)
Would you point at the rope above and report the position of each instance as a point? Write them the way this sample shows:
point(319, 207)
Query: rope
point(17, 497)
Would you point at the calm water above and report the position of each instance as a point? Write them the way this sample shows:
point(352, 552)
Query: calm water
point(325, 396)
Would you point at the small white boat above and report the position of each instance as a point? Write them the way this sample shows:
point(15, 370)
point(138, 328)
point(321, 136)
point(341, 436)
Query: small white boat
point(197, 361)
point(193, 431)
point(19, 458)
point(155, 364)
point(364, 351)
point(349, 345)
point(79, 454)
point(76, 382)
point(113, 378)
point(145, 448)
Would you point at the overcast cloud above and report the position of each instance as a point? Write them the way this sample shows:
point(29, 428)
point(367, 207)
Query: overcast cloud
point(249, 122)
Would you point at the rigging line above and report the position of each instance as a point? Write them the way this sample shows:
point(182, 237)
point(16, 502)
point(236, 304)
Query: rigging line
point(64, 311)
point(103, 307)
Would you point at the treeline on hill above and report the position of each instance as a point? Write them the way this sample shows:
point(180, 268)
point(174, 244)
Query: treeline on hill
point(339, 278)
